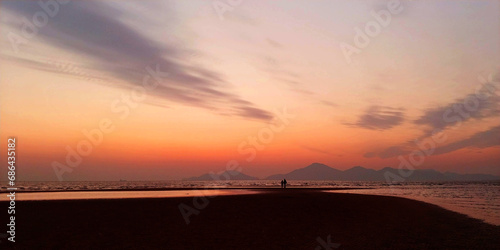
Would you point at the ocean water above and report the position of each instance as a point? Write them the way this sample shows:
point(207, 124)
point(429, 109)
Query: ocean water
point(479, 200)
point(131, 185)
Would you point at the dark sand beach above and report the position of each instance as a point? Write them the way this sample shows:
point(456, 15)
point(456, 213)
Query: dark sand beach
point(279, 219)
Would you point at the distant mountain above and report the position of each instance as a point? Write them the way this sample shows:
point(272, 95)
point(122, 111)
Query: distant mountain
point(318, 171)
point(362, 173)
point(233, 175)
point(315, 171)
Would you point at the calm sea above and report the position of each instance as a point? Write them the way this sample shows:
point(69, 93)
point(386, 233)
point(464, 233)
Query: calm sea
point(477, 199)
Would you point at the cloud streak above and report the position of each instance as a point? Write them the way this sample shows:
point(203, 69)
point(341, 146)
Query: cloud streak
point(96, 31)
point(316, 150)
point(483, 103)
point(475, 106)
point(483, 139)
point(379, 118)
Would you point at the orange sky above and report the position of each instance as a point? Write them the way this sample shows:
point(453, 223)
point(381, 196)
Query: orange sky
point(223, 80)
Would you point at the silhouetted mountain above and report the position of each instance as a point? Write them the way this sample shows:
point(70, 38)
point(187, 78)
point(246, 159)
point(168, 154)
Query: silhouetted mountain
point(358, 172)
point(227, 175)
point(318, 171)
point(315, 171)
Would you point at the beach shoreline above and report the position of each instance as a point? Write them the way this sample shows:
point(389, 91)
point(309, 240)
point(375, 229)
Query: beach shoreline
point(292, 219)
point(478, 211)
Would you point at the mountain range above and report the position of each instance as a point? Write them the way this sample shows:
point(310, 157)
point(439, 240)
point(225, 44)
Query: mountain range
point(318, 171)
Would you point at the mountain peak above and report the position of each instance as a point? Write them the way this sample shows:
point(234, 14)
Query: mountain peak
point(357, 168)
point(387, 169)
point(317, 165)
point(315, 171)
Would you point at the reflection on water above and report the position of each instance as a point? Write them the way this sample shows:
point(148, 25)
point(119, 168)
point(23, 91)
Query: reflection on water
point(83, 195)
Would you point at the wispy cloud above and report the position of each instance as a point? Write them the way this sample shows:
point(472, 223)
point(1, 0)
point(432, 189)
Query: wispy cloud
point(316, 150)
point(95, 30)
point(470, 107)
point(483, 103)
point(273, 43)
point(276, 70)
point(379, 118)
point(329, 103)
point(483, 139)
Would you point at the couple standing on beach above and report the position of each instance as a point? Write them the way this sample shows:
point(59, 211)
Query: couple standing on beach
point(283, 183)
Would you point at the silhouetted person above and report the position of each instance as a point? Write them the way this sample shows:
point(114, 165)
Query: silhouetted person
point(284, 183)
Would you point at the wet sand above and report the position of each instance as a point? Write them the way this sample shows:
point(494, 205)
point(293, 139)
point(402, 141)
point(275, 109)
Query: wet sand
point(276, 219)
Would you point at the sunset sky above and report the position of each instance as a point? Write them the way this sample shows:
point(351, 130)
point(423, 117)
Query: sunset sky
point(222, 75)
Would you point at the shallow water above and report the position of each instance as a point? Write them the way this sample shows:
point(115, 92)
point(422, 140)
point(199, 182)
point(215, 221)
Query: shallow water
point(475, 200)
point(85, 195)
